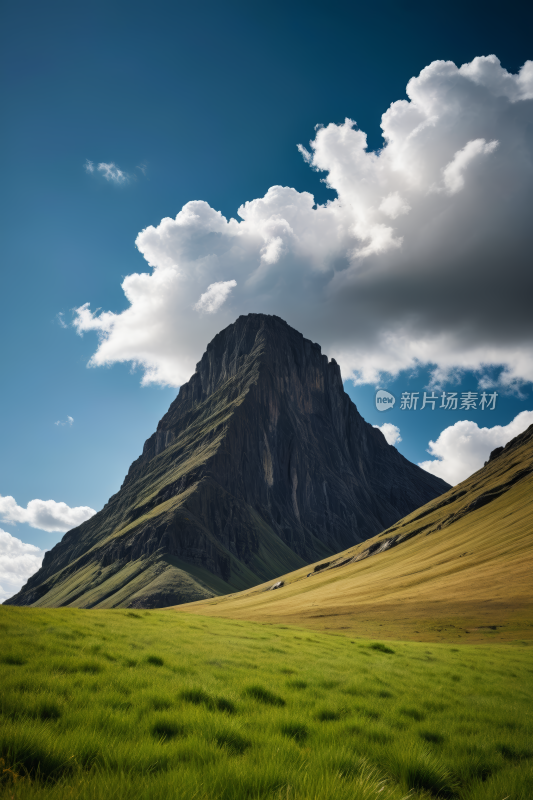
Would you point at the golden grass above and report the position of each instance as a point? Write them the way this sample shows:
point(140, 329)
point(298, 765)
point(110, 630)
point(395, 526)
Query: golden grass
point(462, 578)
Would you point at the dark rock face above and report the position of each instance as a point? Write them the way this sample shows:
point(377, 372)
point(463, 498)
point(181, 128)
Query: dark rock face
point(260, 465)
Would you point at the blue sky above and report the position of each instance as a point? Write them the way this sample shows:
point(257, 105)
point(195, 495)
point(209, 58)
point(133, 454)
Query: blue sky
point(208, 102)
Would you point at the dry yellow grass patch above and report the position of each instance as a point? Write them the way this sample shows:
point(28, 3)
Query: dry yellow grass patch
point(466, 576)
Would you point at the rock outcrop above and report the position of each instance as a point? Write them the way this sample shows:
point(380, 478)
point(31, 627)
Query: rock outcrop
point(261, 465)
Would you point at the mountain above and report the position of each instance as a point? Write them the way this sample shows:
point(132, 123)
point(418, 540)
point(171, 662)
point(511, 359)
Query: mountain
point(458, 569)
point(261, 465)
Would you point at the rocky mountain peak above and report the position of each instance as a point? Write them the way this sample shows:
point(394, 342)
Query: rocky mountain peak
point(261, 465)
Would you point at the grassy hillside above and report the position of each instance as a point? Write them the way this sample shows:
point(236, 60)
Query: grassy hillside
point(459, 569)
point(155, 705)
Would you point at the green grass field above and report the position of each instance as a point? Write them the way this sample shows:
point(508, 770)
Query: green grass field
point(154, 704)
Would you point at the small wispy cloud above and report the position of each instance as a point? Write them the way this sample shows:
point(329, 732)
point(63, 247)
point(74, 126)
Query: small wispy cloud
point(112, 173)
point(142, 168)
point(61, 321)
point(69, 420)
point(109, 171)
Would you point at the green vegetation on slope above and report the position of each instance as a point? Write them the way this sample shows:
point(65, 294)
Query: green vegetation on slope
point(92, 571)
point(146, 704)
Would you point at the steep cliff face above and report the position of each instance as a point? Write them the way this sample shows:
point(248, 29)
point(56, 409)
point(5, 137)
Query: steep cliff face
point(260, 465)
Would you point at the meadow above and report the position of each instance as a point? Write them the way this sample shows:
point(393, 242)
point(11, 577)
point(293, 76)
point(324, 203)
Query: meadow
point(155, 704)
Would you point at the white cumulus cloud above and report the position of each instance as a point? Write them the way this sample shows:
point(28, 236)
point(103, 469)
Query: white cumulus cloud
point(216, 295)
point(390, 432)
point(422, 258)
point(463, 448)
point(46, 515)
point(18, 561)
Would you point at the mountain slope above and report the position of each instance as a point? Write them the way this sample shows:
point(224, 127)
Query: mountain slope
point(261, 465)
point(458, 569)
